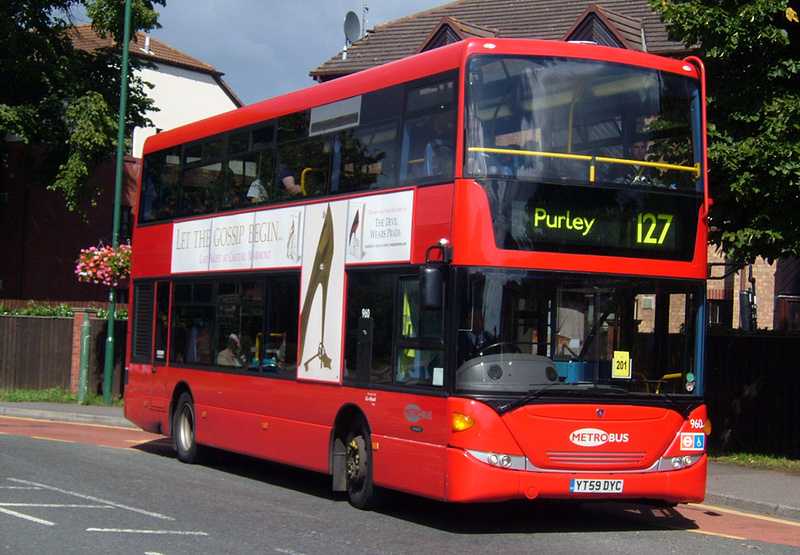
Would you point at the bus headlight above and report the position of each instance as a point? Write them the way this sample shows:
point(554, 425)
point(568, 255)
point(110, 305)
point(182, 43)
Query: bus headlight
point(500, 460)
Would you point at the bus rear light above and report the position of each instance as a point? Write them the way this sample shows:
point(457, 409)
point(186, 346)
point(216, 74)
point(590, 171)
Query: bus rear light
point(462, 422)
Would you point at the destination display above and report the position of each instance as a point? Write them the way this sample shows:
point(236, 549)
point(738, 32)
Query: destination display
point(559, 218)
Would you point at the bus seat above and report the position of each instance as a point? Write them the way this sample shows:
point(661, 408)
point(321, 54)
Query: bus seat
point(502, 165)
point(438, 158)
point(664, 382)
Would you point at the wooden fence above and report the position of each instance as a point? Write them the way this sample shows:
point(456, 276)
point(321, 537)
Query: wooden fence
point(752, 381)
point(37, 353)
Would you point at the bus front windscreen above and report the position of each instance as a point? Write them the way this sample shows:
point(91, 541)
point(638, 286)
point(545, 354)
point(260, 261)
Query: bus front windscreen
point(584, 156)
point(524, 331)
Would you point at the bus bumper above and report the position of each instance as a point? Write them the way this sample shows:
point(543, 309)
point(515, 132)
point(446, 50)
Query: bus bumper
point(470, 480)
point(139, 410)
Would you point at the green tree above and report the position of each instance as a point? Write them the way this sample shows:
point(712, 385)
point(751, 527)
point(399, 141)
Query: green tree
point(751, 50)
point(61, 102)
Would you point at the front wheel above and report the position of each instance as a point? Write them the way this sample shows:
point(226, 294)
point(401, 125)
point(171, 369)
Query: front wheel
point(183, 430)
point(361, 490)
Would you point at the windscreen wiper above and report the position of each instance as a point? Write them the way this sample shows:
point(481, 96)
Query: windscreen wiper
point(526, 399)
point(609, 389)
point(680, 409)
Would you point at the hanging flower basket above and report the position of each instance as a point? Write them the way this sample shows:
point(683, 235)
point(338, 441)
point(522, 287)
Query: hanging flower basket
point(104, 265)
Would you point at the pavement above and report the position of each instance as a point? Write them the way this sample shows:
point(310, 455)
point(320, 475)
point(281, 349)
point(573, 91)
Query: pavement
point(760, 492)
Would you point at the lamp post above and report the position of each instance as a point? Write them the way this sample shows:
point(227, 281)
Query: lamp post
point(108, 374)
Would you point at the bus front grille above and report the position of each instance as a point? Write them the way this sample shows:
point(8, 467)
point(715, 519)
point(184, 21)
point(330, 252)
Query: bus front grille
point(598, 458)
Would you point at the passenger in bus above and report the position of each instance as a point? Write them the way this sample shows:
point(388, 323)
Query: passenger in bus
point(199, 344)
point(287, 180)
point(439, 155)
point(531, 165)
point(628, 173)
point(232, 354)
point(474, 340)
point(429, 146)
point(257, 193)
point(438, 158)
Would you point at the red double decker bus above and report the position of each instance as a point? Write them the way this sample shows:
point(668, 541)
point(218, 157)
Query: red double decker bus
point(476, 274)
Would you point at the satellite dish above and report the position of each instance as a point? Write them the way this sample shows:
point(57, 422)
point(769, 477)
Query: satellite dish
point(352, 27)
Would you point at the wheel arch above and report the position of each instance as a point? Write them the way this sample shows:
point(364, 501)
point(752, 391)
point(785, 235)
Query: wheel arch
point(338, 450)
point(180, 389)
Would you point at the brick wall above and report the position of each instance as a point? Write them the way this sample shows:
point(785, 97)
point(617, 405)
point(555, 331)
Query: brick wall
point(727, 290)
point(40, 239)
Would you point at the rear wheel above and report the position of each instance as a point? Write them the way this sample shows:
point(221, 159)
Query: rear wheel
point(183, 430)
point(361, 490)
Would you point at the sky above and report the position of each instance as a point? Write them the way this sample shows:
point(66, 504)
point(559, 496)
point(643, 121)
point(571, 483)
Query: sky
point(266, 48)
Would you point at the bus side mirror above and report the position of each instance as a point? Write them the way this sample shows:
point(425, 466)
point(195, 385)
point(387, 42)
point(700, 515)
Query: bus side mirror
point(431, 288)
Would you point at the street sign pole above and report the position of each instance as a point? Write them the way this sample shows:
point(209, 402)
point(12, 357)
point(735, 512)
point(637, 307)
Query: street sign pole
point(108, 374)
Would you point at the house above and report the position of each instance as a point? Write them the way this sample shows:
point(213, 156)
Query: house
point(39, 238)
point(621, 23)
point(629, 24)
point(185, 89)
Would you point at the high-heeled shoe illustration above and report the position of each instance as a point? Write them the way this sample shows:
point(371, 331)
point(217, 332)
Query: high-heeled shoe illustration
point(320, 274)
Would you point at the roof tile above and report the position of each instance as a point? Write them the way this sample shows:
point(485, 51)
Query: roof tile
point(143, 47)
point(533, 19)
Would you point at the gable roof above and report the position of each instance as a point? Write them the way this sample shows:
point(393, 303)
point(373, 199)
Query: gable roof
point(632, 23)
point(451, 30)
point(149, 49)
point(609, 29)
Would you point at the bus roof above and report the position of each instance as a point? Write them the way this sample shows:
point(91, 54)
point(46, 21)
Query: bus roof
point(414, 67)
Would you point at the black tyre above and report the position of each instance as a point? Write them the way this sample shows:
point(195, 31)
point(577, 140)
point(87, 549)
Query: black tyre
point(361, 490)
point(183, 430)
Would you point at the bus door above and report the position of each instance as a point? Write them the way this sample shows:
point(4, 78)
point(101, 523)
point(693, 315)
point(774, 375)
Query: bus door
point(161, 342)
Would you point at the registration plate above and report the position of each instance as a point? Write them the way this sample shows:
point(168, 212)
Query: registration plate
point(595, 486)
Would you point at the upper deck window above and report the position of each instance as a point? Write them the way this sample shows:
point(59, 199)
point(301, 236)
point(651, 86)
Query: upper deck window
point(581, 121)
point(428, 151)
point(582, 156)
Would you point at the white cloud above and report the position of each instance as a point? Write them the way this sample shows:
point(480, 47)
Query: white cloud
point(268, 47)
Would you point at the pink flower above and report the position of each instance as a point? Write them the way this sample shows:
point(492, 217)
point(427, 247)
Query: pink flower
point(104, 265)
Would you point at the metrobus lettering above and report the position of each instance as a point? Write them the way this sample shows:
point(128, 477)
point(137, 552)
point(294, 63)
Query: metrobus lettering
point(590, 437)
point(555, 221)
point(414, 414)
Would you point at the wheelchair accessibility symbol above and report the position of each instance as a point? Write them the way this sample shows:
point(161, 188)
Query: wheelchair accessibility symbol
point(693, 442)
